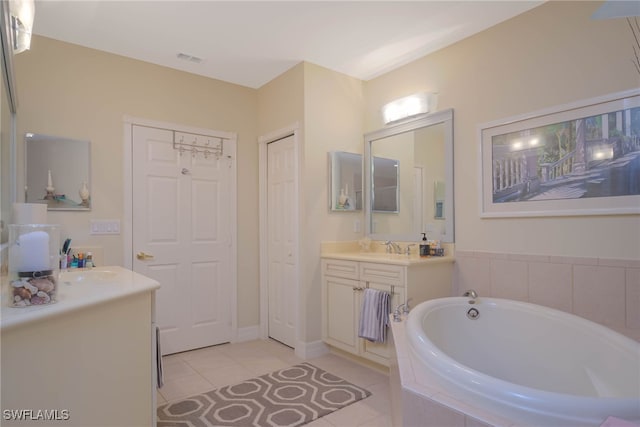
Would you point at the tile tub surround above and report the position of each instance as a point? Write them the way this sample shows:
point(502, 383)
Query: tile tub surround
point(418, 400)
point(606, 291)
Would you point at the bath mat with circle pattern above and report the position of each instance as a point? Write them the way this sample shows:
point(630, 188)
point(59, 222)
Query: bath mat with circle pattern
point(290, 397)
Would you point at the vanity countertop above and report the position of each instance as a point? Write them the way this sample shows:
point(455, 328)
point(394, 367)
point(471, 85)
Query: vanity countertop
point(78, 289)
point(385, 258)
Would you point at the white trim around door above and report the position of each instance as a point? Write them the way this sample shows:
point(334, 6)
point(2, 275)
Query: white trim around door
point(292, 130)
point(127, 223)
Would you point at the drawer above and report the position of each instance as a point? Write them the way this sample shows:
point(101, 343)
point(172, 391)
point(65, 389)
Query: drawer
point(382, 273)
point(340, 268)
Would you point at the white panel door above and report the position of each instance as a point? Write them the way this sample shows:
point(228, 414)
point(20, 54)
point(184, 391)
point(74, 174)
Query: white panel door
point(181, 237)
point(282, 256)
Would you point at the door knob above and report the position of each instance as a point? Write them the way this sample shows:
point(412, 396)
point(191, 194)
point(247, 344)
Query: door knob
point(144, 256)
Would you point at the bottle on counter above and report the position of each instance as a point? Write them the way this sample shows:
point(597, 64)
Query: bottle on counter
point(88, 262)
point(424, 246)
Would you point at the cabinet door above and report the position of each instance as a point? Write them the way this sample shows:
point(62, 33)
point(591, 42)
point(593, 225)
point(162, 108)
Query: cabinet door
point(342, 311)
point(382, 352)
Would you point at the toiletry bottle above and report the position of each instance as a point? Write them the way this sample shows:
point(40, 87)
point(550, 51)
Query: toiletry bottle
point(88, 262)
point(80, 260)
point(424, 246)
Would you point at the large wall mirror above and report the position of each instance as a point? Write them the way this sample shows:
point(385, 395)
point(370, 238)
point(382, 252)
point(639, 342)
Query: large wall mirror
point(421, 151)
point(8, 110)
point(58, 172)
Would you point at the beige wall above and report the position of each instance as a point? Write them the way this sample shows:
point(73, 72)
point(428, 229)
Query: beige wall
point(333, 122)
point(68, 90)
point(280, 106)
point(552, 55)
point(327, 107)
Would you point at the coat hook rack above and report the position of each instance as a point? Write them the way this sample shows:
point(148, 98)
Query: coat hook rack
point(205, 144)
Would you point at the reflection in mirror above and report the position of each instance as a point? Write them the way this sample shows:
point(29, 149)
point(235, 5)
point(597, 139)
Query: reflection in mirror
point(6, 166)
point(385, 185)
point(438, 200)
point(424, 148)
point(58, 172)
point(346, 181)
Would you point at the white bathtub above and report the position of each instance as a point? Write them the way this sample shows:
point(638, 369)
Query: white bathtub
point(527, 363)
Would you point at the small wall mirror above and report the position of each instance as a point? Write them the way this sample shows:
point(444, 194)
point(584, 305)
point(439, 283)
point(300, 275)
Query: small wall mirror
point(58, 172)
point(345, 172)
point(421, 152)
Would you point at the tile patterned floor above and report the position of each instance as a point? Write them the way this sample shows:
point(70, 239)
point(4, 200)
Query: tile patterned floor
point(198, 371)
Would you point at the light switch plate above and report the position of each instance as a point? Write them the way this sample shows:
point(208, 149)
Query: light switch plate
point(104, 226)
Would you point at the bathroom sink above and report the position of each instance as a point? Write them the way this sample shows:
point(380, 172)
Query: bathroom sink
point(382, 256)
point(88, 276)
point(385, 258)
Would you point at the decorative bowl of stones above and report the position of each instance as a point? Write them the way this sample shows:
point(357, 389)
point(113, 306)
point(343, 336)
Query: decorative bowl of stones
point(34, 288)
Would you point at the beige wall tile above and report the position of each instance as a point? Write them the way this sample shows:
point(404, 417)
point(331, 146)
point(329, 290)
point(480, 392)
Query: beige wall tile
point(473, 273)
point(422, 412)
point(599, 294)
point(509, 279)
point(633, 298)
point(606, 291)
point(551, 285)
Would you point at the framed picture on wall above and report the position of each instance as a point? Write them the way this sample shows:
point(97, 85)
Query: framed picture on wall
point(581, 158)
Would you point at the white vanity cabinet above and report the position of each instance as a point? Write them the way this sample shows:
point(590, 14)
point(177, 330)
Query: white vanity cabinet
point(344, 280)
point(88, 359)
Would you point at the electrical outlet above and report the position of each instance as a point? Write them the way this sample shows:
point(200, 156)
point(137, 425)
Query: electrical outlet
point(104, 226)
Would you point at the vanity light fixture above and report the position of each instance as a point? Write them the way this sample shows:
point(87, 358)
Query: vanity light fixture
point(22, 14)
point(403, 108)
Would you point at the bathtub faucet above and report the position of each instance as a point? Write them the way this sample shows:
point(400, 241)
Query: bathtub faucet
point(472, 295)
point(397, 313)
point(402, 309)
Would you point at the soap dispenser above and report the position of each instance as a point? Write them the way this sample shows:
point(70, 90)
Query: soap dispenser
point(424, 246)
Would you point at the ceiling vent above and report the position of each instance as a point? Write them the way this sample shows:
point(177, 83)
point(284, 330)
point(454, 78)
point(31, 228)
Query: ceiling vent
point(190, 58)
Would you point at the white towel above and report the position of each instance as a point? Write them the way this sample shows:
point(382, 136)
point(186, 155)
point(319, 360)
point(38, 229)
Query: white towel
point(374, 317)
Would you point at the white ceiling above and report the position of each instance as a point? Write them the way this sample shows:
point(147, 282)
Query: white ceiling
point(251, 42)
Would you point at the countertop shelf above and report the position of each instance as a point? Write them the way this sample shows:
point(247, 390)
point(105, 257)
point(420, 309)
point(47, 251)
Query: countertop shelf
point(385, 258)
point(78, 289)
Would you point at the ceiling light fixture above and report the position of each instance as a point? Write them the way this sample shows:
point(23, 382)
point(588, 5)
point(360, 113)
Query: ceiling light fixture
point(406, 107)
point(22, 13)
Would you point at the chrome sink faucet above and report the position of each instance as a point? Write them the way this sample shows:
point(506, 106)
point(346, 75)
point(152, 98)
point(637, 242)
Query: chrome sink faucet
point(392, 247)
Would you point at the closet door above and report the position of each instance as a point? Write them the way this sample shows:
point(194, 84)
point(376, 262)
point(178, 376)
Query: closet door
point(182, 237)
point(282, 256)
